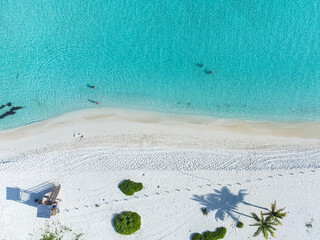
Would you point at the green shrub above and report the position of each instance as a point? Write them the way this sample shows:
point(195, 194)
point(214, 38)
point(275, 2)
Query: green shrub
point(198, 236)
point(240, 225)
point(129, 187)
point(204, 211)
point(210, 235)
point(218, 234)
point(127, 223)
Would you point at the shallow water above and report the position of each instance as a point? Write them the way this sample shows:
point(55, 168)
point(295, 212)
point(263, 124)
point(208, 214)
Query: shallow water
point(265, 58)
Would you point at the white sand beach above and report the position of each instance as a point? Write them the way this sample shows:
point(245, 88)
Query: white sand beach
point(184, 162)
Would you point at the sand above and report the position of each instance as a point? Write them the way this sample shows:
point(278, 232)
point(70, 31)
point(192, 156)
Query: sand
point(89, 152)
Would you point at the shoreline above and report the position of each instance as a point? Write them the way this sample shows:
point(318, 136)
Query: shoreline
point(123, 127)
point(276, 128)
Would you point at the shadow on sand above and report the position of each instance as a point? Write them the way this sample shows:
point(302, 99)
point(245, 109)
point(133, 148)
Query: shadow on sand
point(30, 197)
point(224, 202)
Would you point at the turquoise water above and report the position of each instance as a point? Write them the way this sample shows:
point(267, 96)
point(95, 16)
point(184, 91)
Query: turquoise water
point(265, 58)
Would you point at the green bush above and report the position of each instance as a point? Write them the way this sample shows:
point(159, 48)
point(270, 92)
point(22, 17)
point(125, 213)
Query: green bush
point(127, 223)
point(198, 236)
point(129, 187)
point(210, 235)
point(218, 234)
point(240, 225)
point(204, 211)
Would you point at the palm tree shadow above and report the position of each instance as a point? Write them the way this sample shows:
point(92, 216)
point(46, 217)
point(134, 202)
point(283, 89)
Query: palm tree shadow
point(224, 202)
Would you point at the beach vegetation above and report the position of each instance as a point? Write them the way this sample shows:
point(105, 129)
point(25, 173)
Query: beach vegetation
point(219, 233)
point(198, 236)
point(127, 223)
point(276, 214)
point(309, 224)
point(265, 225)
point(240, 225)
point(204, 211)
point(129, 187)
point(56, 231)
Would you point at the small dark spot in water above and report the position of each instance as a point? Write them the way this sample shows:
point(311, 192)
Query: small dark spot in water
point(17, 75)
point(199, 64)
point(178, 102)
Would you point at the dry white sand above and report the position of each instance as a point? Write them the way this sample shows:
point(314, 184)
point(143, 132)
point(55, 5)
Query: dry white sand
point(195, 162)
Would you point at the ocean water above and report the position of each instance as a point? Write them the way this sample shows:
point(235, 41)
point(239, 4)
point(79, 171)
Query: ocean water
point(264, 55)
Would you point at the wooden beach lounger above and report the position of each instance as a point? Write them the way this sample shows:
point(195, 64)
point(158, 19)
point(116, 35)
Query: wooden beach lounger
point(51, 200)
